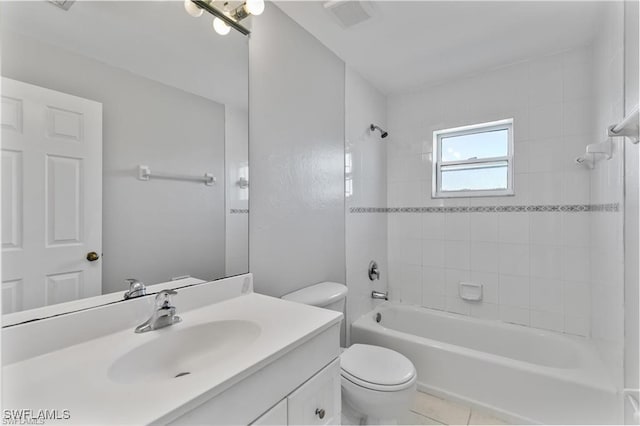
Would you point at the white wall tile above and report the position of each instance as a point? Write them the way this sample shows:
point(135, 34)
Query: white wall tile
point(457, 306)
point(490, 285)
point(513, 227)
point(433, 226)
point(366, 234)
point(546, 228)
point(576, 188)
point(522, 188)
point(546, 295)
point(456, 254)
point(514, 291)
point(485, 310)
point(576, 117)
point(410, 251)
point(577, 325)
point(547, 261)
point(576, 264)
point(456, 226)
point(404, 225)
point(515, 315)
point(433, 253)
point(434, 301)
point(453, 279)
point(577, 299)
point(545, 188)
point(606, 281)
point(577, 74)
point(433, 280)
point(407, 281)
point(547, 320)
point(404, 193)
point(521, 154)
point(576, 229)
point(545, 120)
point(545, 155)
point(514, 259)
point(483, 227)
point(525, 261)
point(483, 256)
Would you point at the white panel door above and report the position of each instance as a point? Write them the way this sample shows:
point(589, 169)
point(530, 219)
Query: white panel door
point(51, 196)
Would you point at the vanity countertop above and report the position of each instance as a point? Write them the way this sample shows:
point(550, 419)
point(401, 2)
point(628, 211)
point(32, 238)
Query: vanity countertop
point(80, 378)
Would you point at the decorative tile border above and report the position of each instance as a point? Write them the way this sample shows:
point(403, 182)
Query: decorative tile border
point(239, 211)
point(569, 208)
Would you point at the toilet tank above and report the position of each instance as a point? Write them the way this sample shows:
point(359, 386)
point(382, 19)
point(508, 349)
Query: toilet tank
point(327, 295)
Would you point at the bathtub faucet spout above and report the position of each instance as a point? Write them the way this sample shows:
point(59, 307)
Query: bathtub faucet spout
point(380, 295)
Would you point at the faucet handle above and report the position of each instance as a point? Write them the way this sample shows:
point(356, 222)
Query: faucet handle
point(163, 298)
point(136, 288)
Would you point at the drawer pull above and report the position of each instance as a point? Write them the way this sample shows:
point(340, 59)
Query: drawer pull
point(320, 412)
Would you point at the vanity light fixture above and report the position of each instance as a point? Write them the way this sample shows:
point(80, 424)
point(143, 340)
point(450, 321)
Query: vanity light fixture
point(225, 19)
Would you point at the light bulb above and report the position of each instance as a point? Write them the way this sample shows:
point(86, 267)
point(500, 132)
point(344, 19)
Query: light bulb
point(221, 27)
point(255, 7)
point(192, 9)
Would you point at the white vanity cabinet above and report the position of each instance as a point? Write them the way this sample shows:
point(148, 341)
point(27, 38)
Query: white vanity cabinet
point(275, 416)
point(315, 402)
point(307, 377)
point(280, 366)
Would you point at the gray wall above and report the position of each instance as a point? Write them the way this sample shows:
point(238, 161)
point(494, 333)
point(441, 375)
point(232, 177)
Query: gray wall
point(296, 117)
point(152, 230)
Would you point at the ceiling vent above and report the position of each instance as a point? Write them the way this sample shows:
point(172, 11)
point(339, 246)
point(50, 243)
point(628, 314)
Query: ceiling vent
point(62, 4)
point(349, 12)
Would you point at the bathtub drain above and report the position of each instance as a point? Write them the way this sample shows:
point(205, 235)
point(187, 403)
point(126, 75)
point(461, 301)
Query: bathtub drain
point(378, 317)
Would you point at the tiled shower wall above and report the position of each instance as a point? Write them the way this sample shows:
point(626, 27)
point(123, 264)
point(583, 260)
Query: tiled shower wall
point(366, 184)
point(533, 262)
point(607, 185)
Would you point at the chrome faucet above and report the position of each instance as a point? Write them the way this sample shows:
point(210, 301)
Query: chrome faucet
point(164, 313)
point(379, 295)
point(136, 289)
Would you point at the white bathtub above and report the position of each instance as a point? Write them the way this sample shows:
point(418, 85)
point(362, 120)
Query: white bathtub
point(520, 373)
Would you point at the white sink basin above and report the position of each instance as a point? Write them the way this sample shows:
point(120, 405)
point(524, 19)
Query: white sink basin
point(179, 351)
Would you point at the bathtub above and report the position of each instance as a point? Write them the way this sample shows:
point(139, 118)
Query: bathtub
point(522, 374)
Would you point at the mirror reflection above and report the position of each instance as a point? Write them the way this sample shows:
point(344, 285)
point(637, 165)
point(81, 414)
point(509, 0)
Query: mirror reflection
point(116, 154)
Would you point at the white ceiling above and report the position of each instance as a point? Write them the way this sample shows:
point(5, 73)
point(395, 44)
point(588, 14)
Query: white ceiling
point(412, 44)
point(157, 40)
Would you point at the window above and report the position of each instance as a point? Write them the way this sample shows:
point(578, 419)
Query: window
point(473, 161)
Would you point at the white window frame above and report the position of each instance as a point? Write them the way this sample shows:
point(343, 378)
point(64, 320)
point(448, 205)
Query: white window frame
point(438, 164)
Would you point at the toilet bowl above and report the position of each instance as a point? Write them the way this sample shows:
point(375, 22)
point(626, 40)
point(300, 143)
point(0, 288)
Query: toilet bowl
point(378, 384)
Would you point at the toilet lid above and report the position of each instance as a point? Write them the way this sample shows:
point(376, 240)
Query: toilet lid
point(322, 294)
point(377, 365)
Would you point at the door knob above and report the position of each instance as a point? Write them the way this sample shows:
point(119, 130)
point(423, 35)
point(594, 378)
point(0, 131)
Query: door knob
point(320, 413)
point(92, 256)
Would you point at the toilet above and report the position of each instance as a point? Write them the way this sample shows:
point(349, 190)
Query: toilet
point(378, 384)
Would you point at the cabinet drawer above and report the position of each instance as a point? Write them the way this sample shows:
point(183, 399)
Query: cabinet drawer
point(277, 415)
point(317, 401)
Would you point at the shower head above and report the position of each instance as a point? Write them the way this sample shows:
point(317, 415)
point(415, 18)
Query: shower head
point(383, 133)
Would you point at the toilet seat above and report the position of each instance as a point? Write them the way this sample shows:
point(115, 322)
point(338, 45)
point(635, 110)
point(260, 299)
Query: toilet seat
point(377, 368)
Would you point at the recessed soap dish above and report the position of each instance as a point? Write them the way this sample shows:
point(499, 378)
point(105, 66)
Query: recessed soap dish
point(471, 292)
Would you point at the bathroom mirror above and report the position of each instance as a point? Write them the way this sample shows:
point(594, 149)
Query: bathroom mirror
point(124, 149)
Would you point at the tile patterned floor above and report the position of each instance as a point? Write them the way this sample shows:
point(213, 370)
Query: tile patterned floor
point(431, 410)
